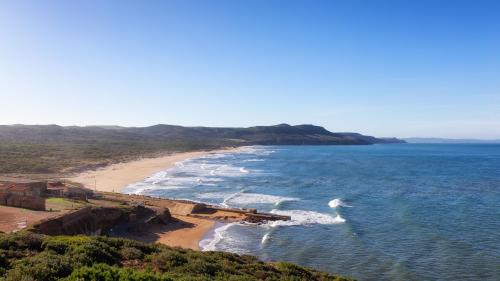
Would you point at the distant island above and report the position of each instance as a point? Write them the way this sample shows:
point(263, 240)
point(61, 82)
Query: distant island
point(42, 149)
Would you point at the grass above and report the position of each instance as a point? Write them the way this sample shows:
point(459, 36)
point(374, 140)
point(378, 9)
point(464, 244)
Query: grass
point(57, 158)
point(25, 256)
point(58, 204)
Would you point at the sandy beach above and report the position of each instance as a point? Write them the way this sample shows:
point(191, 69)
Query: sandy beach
point(115, 177)
point(187, 231)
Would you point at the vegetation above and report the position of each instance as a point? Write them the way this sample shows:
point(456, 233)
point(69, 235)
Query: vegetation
point(27, 256)
point(40, 158)
point(55, 149)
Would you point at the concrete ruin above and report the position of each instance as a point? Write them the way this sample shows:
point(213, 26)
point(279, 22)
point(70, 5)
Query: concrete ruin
point(88, 221)
point(59, 189)
point(30, 194)
point(23, 193)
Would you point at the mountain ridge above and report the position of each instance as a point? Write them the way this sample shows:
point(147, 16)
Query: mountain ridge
point(280, 134)
point(43, 149)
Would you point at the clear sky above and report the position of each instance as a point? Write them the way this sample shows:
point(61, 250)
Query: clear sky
point(386, 68)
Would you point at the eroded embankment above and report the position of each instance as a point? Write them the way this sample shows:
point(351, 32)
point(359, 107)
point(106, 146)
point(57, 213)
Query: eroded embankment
point(136, 212)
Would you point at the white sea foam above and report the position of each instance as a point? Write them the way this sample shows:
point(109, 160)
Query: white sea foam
point(213, 195)
point(134, 189)
point(253, 160)
point(242, 198)
point(265, 238)
point(337, 202)
point(209, 244)
point(256, 150)
point(301, 217)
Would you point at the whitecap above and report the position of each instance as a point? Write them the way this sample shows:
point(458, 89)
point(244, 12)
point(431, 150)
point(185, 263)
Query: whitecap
point(242, 198)
point(301, 217)
point(337, 202)
point(265, 238)
point(256, 150)
point(211, 195)
point(253, 160)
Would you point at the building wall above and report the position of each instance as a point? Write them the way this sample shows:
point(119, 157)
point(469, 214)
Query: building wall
point(23, 195)
point(28, 202)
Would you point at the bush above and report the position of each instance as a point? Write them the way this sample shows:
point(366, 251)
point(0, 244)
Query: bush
point(290, 269)
point(22, 240)
point(167, 260)
point(43, 267)
point(199, 267)
point(33, 257)
point(3, 259)
point(130, 253)
point(56, 245)
point(104, 272)
point(94, 252)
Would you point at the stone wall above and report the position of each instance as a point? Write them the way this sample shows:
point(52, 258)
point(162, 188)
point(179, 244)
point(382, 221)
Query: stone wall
point(28, 202)
point(23, 194)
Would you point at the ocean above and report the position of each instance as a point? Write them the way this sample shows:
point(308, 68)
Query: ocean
point(390, 212)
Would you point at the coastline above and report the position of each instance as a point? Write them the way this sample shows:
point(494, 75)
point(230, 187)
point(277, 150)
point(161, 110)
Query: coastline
point(186, 231)
point(115, 177)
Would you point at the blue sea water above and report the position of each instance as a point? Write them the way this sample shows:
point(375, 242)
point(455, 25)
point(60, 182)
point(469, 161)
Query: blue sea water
point(385, 212)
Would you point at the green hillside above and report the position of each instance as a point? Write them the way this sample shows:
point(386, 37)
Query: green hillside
point(46, 149)
point(31, 257)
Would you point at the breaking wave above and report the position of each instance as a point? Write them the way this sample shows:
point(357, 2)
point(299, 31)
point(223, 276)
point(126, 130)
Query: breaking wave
point(301, 217)
point(242, 198)
point(265, 238)
point(210, 243)
point(337, 202)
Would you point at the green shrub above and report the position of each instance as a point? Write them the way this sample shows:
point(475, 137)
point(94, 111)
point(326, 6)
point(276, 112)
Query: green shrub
point(3, 259)
point(43, 267)
point(104, 272)
point(290, 269)
point(94, 252)
point(22, 240)
point(56, 245)
point(32, 257)
point(131, 253)
point(199, 267)
point(168, 260)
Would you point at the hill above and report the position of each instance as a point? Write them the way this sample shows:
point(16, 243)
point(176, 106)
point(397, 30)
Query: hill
point(58, 149)
point(27, 256)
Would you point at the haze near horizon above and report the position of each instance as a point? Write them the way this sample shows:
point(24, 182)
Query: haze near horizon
point(383, 68)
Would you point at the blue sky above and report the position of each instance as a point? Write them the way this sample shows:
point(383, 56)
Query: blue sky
point(385, 68)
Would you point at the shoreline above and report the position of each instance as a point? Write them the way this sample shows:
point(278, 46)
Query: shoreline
point(187, 231)
point(115, 177)
point(210, 235)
